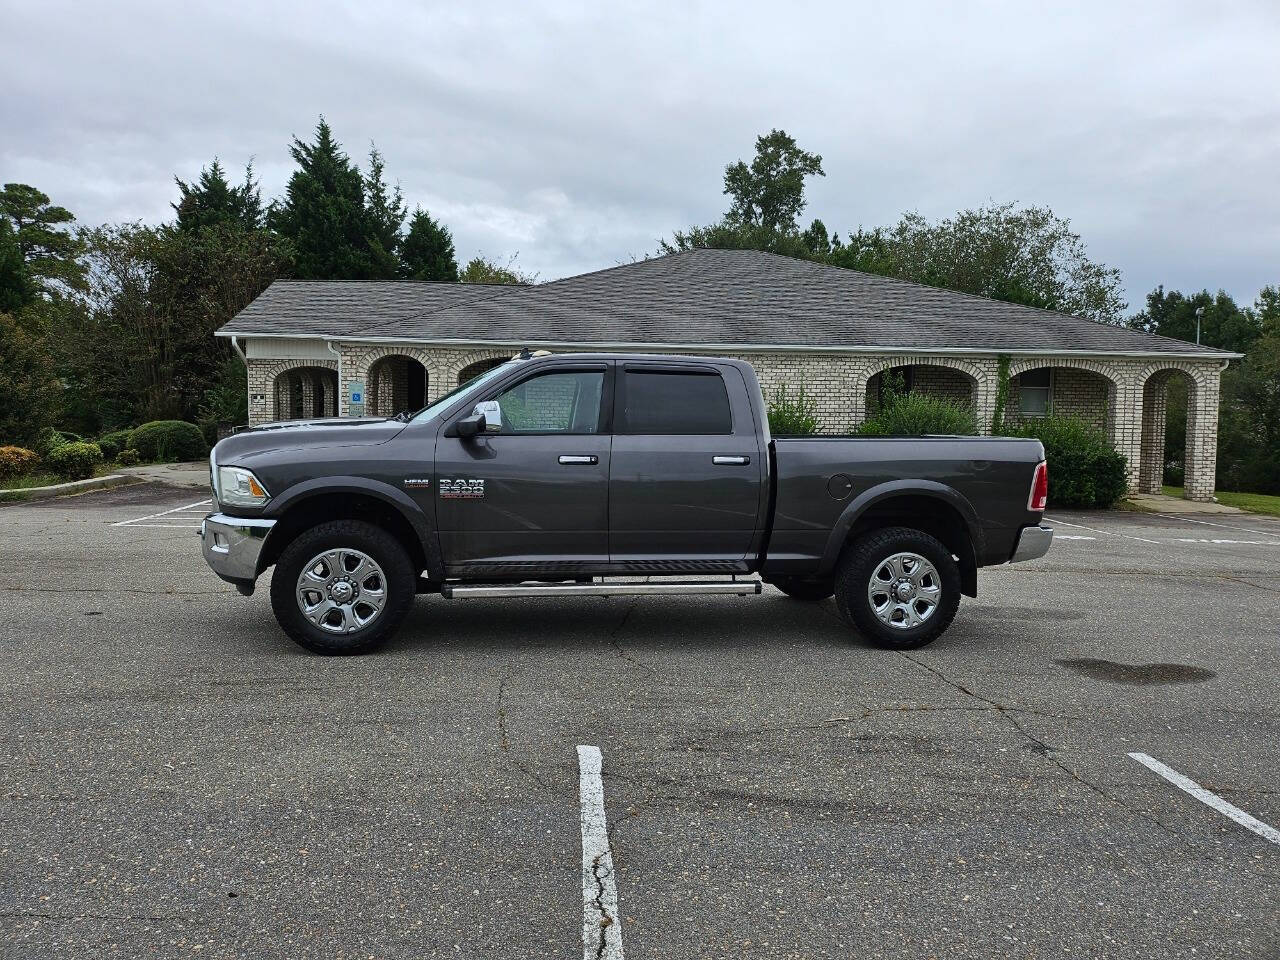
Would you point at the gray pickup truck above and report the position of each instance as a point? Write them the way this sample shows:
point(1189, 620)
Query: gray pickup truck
point(589, 474)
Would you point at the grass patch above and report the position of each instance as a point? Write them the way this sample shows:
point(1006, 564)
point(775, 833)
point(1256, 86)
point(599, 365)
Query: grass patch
point(48, 479)
point(1252, 502)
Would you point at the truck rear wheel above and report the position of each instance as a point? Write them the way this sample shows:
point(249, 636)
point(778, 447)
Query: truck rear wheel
point(899, 587)
point(342, 587)
point(798, 588)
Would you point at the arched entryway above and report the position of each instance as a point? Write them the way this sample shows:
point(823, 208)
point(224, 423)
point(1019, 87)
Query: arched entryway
point(1178, 440)
point(306, 393)
point(396, 384)
point(1061, 392)
point(473, 370)
point(934, 380)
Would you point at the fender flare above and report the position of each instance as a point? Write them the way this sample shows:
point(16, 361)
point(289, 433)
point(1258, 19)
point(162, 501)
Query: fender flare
point(400, 501)
point(896, 488)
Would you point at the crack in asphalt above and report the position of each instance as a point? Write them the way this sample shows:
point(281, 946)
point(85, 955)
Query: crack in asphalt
point(504, 742)
point(617, 644)
point(605, 921)
point(1042, 748)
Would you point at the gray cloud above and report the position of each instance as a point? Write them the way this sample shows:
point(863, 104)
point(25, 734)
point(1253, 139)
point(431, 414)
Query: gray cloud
point(579, 134)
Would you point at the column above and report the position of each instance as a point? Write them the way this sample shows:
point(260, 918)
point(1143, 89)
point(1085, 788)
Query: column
point(1202, 437)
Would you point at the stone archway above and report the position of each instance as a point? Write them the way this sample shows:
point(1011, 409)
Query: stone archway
point(473, 370)
point(1192, 391)
point(396, 383)
point(935, 380)
point(305, 392)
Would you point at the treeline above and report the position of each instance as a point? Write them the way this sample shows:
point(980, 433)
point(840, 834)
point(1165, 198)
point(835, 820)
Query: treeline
point(1024, 255)
point(111, 326)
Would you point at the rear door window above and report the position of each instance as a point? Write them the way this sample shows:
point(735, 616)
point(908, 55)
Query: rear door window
point(672, 402)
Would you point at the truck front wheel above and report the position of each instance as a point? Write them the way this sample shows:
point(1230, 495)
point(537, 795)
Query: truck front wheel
point(342, 587)
point(899, 587)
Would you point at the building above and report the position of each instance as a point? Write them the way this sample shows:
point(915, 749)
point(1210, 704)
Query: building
point(356, 348)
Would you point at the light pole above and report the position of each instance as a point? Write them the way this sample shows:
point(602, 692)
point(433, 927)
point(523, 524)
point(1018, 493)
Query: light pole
point(1199, 314)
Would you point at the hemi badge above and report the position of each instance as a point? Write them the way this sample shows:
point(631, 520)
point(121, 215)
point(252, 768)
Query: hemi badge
point(417, 481)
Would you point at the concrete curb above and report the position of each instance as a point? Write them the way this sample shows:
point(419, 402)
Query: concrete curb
point(67, 489)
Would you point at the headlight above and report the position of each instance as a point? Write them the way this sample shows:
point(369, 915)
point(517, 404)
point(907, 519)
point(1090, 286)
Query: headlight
point(239, 487)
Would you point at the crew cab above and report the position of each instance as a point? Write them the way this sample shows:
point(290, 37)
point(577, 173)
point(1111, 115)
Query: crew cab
point(587, 474)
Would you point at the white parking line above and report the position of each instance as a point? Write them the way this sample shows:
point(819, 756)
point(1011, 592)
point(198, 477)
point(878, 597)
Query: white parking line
point(1104, 532)
point(601, 925)
point(175, 513)
point(1188, 785)
point(1227, 526)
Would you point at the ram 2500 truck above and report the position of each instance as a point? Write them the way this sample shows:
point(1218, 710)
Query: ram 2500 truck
point(589, 474)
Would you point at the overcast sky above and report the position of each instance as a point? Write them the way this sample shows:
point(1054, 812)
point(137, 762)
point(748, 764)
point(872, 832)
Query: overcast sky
point(577, 135)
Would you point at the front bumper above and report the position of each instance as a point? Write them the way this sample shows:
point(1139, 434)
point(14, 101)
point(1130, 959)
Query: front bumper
point(231, 545)
point(1033, 543)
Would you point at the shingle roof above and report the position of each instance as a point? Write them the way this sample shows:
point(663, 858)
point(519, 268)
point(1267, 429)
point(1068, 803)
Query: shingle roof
point(698, 297)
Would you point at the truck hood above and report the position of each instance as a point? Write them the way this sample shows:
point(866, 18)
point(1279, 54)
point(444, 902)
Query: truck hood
point(295, 434)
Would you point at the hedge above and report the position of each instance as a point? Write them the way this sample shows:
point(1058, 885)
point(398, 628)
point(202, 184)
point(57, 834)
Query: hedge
point(127, 457)
point(167, 441)
point(74, 461)
point(115, 441)
point(1084, 470)
point(17, 462)
point(919, 414)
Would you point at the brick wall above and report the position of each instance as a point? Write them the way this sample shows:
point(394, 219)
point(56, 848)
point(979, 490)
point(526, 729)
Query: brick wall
point(1106, 391)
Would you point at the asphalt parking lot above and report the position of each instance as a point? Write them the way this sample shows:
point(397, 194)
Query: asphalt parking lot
point(181, 780)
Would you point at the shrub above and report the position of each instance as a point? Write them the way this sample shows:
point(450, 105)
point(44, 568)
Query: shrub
point(17, 462)
point(115, 441)
point(166, 441)
point(792, 416)
point(1084, 471)
point(74, 461)
point(50, 439)
point(127, 457)
point(918, 414)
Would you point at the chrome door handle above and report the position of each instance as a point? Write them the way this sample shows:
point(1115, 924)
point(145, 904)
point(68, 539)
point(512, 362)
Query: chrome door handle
point(731, 461)
point(566, 459)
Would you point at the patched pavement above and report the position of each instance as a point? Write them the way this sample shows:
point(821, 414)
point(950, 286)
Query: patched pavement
point(182, 780)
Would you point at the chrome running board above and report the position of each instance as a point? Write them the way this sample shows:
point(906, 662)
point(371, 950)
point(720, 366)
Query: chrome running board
point(741, 588)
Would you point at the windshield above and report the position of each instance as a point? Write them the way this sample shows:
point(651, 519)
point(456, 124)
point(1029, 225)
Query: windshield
point(432, 409)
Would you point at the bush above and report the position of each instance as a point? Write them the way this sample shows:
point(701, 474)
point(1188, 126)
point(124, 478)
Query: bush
point(17, 462)
point(127, 457)
point(115, 441)
point(74, 461)
point(918, 414)
point(792, 416)
point(1084, 471)
point(50, 439)
point(167, 441)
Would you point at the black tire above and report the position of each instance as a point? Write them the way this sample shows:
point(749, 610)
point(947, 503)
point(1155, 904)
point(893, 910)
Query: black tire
point(798, 588)
point(867, 557)
point(398, 576)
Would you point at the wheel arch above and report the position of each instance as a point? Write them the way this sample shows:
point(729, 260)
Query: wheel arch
point(353, 498)
point(930, 507)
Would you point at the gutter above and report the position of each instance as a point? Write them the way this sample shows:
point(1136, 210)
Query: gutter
point(235, 345)
point(650, 347)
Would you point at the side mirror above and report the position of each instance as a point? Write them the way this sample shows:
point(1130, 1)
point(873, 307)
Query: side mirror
point(490, 414)
point(469, 426)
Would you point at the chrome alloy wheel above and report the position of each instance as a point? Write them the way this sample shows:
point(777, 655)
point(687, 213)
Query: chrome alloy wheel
point(341, 590)
point(904, 591)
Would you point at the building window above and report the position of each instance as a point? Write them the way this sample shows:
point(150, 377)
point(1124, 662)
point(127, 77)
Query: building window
point(1034, 390)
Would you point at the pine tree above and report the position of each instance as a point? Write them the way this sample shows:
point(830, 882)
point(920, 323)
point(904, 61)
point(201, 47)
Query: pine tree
point(386, 218)
point(50, 249)
point(324, 216)
point(16, 289)
point(427, 252)
point(212, 200)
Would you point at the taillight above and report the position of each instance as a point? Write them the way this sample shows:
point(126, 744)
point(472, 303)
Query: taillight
point(1039, 498)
